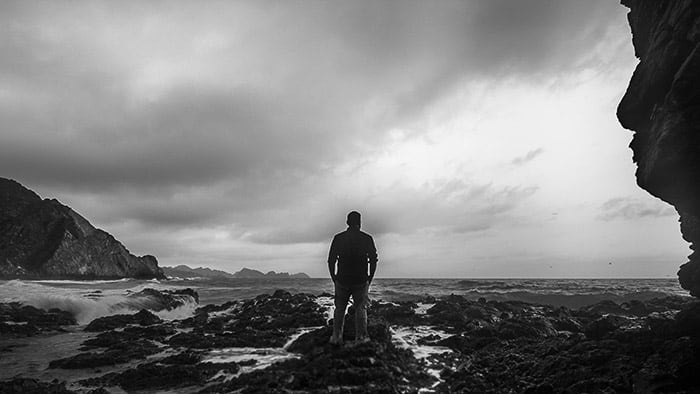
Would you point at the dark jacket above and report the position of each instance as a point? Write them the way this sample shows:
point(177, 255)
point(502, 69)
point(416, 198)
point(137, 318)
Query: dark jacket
point(354, 251)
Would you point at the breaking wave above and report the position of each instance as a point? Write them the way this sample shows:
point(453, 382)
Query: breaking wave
point(88, 304)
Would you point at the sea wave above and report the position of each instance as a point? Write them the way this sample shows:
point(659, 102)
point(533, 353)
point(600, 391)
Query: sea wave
point(88, 304)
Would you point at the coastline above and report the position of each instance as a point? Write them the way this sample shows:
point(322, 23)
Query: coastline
point(276, 342)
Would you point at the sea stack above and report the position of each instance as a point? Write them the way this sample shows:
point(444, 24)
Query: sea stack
point(46, 239)
point(662, 107)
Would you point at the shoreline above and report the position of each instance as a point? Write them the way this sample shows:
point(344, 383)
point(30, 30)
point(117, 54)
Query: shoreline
point(280, 340)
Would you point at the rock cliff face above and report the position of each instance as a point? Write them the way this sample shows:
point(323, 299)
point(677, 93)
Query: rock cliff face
point(662, 106)
point(46, 239)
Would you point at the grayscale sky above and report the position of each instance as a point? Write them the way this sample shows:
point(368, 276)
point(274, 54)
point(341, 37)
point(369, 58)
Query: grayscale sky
point(477, 138)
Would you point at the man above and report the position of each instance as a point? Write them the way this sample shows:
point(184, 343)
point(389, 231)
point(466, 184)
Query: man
point(354, 252)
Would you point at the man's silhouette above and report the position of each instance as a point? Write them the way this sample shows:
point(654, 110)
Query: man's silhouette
point(354, 252)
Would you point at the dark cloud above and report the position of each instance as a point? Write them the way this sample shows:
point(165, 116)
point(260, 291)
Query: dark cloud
point(632, 208)
point(238, 115)
point(529, 156)
point(444, 206)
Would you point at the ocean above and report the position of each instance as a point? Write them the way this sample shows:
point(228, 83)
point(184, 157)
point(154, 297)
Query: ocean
point(88, 300)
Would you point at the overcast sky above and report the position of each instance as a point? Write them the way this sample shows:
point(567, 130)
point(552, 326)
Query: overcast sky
point(477, 138)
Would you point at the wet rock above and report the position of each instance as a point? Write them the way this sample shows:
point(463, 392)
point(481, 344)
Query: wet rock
point(18, 320)
point(264, 321)
point(158, 376)
point(143, 317)
point(317, 340)
point(375, 366)
point(116, 354)
point(158, 300)
point(535, 327)
point(395, 313)
point(184, 358)
point(33, 386)
point(673, 369)
point(240, 337)
point(602, 326)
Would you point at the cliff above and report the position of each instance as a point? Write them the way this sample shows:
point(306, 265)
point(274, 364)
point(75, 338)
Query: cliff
point(662, 107)
point(46, 239)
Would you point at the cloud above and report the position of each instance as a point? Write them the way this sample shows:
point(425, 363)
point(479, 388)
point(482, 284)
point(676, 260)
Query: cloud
point(529, 156)
point(460, 207)
point(629, 208)
point(240, 117)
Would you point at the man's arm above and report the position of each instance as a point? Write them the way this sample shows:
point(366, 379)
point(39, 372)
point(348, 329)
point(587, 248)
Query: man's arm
point(372, 258)
point(332, 258)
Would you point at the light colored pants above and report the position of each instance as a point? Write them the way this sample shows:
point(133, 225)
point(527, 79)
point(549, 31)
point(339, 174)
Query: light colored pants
point(360, 298)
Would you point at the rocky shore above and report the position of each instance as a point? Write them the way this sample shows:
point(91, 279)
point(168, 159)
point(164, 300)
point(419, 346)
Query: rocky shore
point(279, 343)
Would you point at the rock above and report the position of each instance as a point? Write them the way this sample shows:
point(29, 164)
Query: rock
point(17, 320)
point(661, 106)
point(116, 354)
point(602, 326)
point(395, 313)
point(110, 339)
point(184, 358)
point(33, 386)
point(239, 337)
point(158, 300)
point(157, 376)
point(264, 321)
point(376, 366)
point(377, 329)
point(143, 317)
point(46, 239)
point(688, 320)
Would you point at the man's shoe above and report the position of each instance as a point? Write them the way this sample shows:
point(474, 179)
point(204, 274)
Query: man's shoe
point(335, 341)
point(362, 340)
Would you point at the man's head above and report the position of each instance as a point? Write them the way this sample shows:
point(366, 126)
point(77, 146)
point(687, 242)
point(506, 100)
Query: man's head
point(353, 219)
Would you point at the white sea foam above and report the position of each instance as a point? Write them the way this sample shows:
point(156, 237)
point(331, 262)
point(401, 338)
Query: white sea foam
point(264, 357)
point(299, 333)
point(423, 308)
point(407, 338)
point(327, 303)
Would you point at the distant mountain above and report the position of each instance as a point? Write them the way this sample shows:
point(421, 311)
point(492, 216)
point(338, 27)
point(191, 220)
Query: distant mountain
point(183, 271)
point(46, 239)
point(247, 273)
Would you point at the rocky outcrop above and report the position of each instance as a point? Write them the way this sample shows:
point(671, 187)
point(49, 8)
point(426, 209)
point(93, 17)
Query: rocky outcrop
point(46, 239)
point(662, 106)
